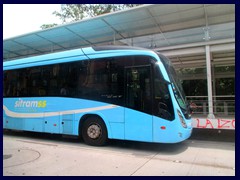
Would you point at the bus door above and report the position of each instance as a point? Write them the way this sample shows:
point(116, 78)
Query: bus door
point(138, 103)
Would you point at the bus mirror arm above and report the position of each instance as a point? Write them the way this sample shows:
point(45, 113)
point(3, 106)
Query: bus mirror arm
point(167, 82)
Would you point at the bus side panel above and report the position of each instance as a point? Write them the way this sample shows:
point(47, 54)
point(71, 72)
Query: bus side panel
point(165, 131)
point(67, 124)
point(114, 115)
point(27, 124)
point(14, 123)
point(138, 126)
point(117, 130)
point(33, 124)
point(52, 124)
point(60, 115)
point(114, 119)
point(4, 121)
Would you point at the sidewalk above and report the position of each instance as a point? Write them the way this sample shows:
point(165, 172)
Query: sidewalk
point(206, 153)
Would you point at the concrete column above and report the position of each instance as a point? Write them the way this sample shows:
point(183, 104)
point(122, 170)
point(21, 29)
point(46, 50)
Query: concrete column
point(225, 105)
point(209, 82)
point(214, 88)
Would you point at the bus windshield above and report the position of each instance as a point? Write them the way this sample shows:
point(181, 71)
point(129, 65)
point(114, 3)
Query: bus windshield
point(176, 85)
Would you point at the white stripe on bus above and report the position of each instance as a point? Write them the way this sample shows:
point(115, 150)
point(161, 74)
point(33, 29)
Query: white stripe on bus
point(48, 114)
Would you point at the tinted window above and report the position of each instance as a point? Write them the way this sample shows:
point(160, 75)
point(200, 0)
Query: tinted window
point(162, 102)
point(100, 80)
point(138, 88)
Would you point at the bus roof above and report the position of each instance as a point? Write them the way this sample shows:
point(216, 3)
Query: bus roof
point(70, 55)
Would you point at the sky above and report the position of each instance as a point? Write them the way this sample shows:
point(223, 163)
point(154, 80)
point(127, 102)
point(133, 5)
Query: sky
point(20, 19)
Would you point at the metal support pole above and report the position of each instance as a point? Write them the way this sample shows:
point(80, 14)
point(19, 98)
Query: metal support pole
point(214, 89)
point(209, 83)
point(114, 38)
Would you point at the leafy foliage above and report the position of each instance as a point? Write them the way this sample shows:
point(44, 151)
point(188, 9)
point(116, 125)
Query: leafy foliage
point(75, 12)
point(45, 26)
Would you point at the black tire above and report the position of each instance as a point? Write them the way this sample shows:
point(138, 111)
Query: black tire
point(94, 131)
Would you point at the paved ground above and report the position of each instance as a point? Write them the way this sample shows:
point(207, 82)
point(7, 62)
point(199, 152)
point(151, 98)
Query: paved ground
point(208, 152)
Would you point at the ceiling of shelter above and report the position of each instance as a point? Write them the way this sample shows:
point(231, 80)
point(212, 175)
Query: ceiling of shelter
point(159, 27)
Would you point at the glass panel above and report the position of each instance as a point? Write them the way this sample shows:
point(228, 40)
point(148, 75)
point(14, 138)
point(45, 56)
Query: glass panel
point(138, 88)
point(162, 102)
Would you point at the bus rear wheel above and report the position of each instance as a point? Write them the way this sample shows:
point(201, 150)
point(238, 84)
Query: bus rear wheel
point(94, 131)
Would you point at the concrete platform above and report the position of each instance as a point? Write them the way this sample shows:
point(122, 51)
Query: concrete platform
point(35, 154)
point(218, 122)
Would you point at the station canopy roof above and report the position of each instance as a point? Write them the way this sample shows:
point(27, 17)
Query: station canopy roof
point(167, 28)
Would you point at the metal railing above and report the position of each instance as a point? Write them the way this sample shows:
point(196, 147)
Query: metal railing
point(222, 105)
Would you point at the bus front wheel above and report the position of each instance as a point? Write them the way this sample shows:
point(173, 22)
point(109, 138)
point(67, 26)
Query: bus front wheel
point(94, 131)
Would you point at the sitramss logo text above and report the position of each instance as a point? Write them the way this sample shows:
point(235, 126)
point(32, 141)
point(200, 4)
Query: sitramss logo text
point(31, 104)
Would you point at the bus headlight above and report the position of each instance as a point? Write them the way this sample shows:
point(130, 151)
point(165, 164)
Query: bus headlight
point(181, 119)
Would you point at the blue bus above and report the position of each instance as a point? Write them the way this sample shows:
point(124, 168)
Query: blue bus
point(97, 93)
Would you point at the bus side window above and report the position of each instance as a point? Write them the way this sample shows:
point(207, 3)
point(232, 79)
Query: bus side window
point(5, 83)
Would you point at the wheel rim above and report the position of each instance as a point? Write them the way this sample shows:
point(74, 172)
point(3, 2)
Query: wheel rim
point(94, 131)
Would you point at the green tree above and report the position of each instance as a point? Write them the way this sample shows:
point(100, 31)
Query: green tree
point(75, 12)
point(45, 26)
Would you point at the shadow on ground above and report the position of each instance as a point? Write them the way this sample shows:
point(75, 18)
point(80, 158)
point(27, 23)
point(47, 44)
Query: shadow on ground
point(139, 148)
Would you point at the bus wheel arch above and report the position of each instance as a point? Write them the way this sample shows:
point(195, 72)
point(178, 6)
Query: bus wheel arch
point(93, 130)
